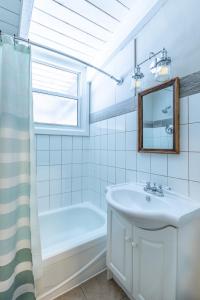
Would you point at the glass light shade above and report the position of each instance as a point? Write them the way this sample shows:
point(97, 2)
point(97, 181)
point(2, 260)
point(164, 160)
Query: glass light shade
point(138, 84)
point(162, 72)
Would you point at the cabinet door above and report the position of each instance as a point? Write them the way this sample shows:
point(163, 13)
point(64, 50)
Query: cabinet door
point(119, 255)
point(154, 264)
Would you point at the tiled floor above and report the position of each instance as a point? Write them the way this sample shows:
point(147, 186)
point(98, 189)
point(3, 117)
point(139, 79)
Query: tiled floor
point(97, 288)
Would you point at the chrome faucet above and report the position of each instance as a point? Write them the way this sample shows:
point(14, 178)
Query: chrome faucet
point(154, 189)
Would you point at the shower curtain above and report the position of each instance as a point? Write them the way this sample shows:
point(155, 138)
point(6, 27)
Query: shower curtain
point(16, 268)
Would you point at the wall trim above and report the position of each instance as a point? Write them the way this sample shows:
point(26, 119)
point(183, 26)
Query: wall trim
point(189, 85)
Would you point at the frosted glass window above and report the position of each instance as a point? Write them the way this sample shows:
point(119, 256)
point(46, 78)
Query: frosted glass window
point(55, 110)
point(54, 80)
point(55, 95)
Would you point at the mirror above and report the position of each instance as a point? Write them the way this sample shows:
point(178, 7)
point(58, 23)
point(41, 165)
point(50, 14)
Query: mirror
point(158, 118)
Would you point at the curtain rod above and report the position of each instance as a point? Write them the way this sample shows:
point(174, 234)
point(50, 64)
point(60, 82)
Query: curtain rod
point(117, 80)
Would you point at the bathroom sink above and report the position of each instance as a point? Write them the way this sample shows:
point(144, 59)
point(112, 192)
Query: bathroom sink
point(151, 211)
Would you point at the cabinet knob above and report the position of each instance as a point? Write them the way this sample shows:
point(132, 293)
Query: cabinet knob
point(127, 239)
point(134, 245)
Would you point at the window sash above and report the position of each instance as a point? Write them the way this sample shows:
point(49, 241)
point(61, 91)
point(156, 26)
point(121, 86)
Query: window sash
point(77, 97)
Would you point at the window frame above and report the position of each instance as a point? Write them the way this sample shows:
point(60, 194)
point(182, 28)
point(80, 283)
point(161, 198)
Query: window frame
point(83, 90)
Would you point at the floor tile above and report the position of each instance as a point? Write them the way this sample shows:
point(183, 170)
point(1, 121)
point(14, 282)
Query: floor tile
point(75, 294)
point(99, 288)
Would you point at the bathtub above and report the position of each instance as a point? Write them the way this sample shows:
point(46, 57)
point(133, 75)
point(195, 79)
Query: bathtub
point(73, 243)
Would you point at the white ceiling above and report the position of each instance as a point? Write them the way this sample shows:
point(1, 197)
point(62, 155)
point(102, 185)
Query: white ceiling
point(10, 11)
point(82, 28)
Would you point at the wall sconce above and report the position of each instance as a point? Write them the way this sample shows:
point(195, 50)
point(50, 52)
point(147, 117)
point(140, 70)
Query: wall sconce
point(160, 67)
point(137, 78)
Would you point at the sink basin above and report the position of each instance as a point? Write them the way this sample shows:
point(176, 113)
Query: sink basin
point(151, 211)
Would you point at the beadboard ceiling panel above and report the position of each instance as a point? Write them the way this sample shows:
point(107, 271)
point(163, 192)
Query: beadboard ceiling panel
point(10, 11)
point(81, 28)
point(85, 29)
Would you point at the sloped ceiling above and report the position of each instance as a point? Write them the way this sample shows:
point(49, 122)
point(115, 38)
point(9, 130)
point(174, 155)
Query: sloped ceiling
point(10, 11)
point(81, 28)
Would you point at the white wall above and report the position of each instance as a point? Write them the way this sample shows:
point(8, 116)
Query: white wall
point(176, 27)
point(114, 152)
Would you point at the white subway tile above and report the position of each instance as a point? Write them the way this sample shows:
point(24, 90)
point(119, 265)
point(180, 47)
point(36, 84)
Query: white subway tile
point(55, 201)
point(55, 142)
point(120, 175)
point(55, 157)
point(194, 190)
point(131, 140)
point(77, 142)
point(43, 158)
point(55, 172)
point(120, 123)
point(184, 110)
point(159, 164)
point(131, 161)
point(120, 141)
point(42, 173)
point(131, 121)
point(66, 143)
point(194, 163)
point(178, 185)
point(55, 187)
point(194, 108)
point(120, 159)
point(143, 162)
point(178, 165)
point(194, 140)
point(42, 142)
point(43, 204)
point(111, 175)
point(42, 189)
point(184, 145)
point(66, 199)
point(131, 176)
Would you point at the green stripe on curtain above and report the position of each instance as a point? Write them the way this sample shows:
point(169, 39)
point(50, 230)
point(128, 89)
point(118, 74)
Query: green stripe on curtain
point(8, 120)
point(21, 256)
point(14, 169)
point(21, 279)
point(11, 194)
point(27, 296)
point(10, 219)
point(7, 245)
point(19, 146)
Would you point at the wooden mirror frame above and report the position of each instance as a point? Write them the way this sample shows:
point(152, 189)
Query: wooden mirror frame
point(176, 136)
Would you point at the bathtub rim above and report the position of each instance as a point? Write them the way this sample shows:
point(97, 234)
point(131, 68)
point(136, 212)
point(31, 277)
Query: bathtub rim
point(66, 252)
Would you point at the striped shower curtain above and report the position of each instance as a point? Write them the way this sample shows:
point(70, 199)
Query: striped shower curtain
point(16, 275)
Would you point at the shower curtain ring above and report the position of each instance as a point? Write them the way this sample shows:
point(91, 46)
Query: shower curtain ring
point(14, 40)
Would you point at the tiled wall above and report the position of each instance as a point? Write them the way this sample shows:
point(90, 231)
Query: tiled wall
point(75, 169)
point(59, 170)
point(115, 159)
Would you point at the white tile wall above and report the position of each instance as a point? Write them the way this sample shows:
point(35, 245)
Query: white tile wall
point(59, 170)
point(75, 169)
point(181, 172)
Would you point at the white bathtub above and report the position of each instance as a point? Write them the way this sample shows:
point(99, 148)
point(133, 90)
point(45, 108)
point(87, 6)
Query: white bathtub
point(73, 248)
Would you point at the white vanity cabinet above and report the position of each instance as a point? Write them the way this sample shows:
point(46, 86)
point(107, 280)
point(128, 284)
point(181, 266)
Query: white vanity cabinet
point(153, 248)
point(146, 263)
point(120, 249)
point(154, 264)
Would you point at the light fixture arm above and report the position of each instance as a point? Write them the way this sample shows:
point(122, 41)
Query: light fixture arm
point(151, 55)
